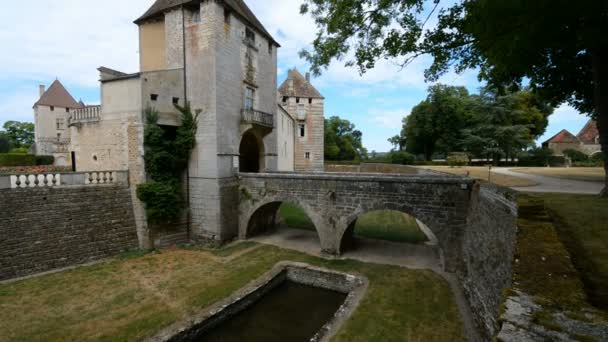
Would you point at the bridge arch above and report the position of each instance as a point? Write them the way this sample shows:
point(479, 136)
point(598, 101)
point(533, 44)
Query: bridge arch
point(347, 235)
point(263, 216)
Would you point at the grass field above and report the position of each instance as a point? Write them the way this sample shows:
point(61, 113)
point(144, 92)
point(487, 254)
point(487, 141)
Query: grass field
point(590, 174)
point(481, 172)
point(582, 224)
point(133, 298)
point(384, 225)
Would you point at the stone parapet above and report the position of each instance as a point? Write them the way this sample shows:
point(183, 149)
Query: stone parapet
point(54, 180)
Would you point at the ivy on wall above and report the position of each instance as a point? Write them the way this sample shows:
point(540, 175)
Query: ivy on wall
point(166, 158)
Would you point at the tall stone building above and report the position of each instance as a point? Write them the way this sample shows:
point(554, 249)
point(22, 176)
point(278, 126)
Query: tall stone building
point(220, 58)
point(51, 114)
point(304, 103)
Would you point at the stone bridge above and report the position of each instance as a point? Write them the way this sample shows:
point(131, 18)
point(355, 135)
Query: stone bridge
point(334, 202)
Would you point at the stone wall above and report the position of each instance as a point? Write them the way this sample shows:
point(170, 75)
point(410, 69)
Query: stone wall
point(47, 228)
point(487, 252)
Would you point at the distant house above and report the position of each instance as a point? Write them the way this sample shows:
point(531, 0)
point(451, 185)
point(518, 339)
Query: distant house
point(587, 141)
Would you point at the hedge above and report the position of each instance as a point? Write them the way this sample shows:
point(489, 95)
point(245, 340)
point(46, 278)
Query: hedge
point(11, 159)
point(45, 160)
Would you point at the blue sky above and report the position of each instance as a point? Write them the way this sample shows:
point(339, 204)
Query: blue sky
point(69, 39)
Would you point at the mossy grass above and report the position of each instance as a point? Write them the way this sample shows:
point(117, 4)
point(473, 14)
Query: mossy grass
point(131, 299)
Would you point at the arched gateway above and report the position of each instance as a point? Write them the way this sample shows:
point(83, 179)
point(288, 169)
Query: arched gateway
point(333, 202)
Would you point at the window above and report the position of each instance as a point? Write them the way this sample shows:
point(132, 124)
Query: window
point(249, 96)
point(196, 16)
point(60, 124)
point(176, 100)
point(307, 155)
point(270, 47)
point(285, 98)
point(302, 130)
point(154, 97)
point(67, 110)
point(301, 112)
point(52, 108)
point(226, 16)
point(297, 100)
point(310, 101)
point(58, 136)
point(249, 35)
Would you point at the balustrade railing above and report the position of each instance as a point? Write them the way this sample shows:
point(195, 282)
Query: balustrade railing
point(86, 114)
point(256, 117)
point(50, 180)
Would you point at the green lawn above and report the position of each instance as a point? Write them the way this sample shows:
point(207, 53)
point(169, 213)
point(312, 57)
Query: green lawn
point(383, 225)
point(132, 298)
point(582, 224)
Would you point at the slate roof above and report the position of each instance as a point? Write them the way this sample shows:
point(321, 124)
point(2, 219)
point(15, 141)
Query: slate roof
point(301, 87)
point(57, 96)
point(563, 137)
point(589, 133)
point(238, 6)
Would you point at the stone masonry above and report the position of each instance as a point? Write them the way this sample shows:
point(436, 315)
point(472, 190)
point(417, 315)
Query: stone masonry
point(48, 228)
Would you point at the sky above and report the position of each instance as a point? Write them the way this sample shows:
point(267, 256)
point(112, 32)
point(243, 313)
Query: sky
point(69, 39)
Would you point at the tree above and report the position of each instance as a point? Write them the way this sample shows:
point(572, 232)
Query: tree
point(398, 142)
point(435, 124)
point(558, 46)
point(20, 134)
point(5, 143)
point(342, 140)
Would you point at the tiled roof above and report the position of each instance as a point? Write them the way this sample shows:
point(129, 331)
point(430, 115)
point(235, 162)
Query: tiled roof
point(563, 137)
point(238, 6)
point(301, 87)
point(57, 96)
point(589, 133)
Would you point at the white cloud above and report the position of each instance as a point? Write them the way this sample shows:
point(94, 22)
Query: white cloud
point(68, 39)
point(387, 118)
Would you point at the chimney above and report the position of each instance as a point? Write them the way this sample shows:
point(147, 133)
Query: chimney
point(308, 77)
point(42, 89)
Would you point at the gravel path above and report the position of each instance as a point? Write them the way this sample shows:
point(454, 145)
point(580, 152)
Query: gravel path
point(552, 184)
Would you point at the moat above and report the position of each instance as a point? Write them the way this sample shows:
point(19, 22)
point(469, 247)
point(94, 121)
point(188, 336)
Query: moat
point(290, 312)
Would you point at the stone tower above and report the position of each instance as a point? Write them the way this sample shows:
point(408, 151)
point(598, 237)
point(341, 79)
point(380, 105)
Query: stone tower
point(300, 98)
point(228, 63)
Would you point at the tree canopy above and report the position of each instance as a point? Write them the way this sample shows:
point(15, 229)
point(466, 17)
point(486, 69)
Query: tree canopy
point(558, 47)
point(342, 140)
point(20, 134)
point(484, 125)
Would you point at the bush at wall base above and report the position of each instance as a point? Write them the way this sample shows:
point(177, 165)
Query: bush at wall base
point(11, 159)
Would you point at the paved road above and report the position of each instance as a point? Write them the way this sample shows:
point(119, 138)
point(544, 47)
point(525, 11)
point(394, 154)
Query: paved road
point(380, 252)
point(552, 184)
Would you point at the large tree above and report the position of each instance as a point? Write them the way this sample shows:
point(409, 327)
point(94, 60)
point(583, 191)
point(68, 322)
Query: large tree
point(559, 46)
point(342, 140)
point(436, 123)
point(5, 143)
point(20, 134)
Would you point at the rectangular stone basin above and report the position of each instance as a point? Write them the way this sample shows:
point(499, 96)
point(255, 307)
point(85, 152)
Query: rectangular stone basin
point(293, 302)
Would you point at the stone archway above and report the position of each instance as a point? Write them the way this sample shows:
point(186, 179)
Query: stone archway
point(251, 153)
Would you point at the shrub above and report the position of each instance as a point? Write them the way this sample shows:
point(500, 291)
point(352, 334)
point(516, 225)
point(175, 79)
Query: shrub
point(45, 160)
point(5, 143)
point(163, 200)
point(458, 159)
point(576, 155)
point(401, 158)
point(19, 150)
point(12, 159)
point(597, 157)
point(536, 157)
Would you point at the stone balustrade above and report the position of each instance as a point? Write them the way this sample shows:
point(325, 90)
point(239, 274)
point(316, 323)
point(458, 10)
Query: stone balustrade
point(84, 115)
point(50, 180)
